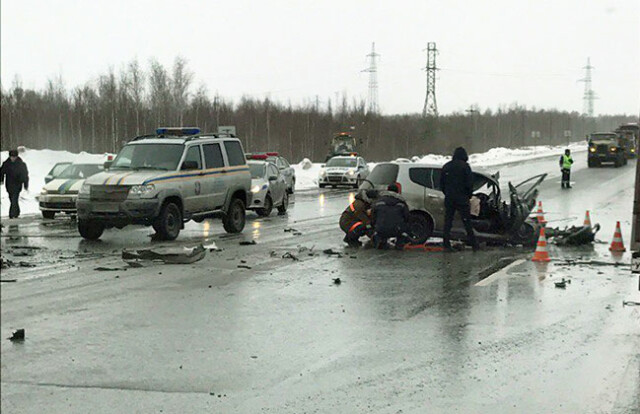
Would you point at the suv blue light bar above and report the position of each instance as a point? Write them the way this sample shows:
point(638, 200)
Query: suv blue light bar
point(178, 132)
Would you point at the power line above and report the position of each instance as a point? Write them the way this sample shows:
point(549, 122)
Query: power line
point(373, 107)
point(430, 103)
point(589, 95)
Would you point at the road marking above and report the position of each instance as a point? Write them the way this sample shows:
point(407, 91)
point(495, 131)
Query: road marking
point(502, 272)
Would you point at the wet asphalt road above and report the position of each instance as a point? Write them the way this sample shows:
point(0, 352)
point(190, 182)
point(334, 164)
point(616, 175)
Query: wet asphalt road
point(405, 332)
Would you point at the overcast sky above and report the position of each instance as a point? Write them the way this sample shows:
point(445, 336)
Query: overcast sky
point(491, 53)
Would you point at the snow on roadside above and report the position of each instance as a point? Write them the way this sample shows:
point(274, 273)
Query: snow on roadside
point(39, 163)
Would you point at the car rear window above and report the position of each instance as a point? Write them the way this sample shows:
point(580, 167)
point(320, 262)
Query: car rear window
point(426, 177)
point(234, 153)
point(384, 174)
point(213, 156)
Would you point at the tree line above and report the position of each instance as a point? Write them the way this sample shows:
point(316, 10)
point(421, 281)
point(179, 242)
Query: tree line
point(103, 114)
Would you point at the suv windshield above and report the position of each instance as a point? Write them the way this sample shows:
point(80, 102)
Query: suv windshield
point(81, 171)
point(342, 162)
point(149, 156)
point(257, 170)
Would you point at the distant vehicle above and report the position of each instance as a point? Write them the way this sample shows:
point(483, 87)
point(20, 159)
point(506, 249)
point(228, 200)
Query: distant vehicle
point(281, 162)
point(59, 195)
point(629, 141)
point(268, 187)
point(165, 180)
point(56, 171)
point(342, 144)
point(343, 170)
point(498, 222)
point(606, 147)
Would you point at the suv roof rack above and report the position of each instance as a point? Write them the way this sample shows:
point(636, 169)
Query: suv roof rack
point(186, 138)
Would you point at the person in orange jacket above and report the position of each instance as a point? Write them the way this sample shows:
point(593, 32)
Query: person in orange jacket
point(355, 221)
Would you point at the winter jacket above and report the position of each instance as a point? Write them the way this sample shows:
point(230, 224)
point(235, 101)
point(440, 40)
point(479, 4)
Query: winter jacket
point(15, 175)
point(356, 212)
point(390, 214)
point(456, 179)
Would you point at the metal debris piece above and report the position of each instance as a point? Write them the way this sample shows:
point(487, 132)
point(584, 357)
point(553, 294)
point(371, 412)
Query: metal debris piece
point(18, 336)
point(289, 255)
point(573, 236)
point(25, 264)
point(242, 266)
point(337, 281)
point(332, 252)
point(168, 255)
point(247, 243)
point(630, 303)
point(290, 230)
point(563, 283)
point(211, 247)
point(8, 280)
point(109, 269)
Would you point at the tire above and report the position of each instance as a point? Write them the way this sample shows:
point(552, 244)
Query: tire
point(233, 221)
point(590, 163)
point(90, 230)
point(49, 214)
point(282, 208)
point(268, 207)
point(420, 228)
point(169, 222)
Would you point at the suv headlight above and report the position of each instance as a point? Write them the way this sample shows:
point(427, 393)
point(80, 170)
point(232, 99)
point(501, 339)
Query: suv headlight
point(592, 149)
point(613, 149)
point(142, 189)
point(43, 192)
point(85, 189)
point(255, 188)
point(351, 172)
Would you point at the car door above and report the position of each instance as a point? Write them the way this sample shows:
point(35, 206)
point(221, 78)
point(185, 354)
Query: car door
point(433, 198)
point(234, 159)
point(363, 168)
point(214, 186)
point(277, 183)
point(192, 176)
point(285, 170)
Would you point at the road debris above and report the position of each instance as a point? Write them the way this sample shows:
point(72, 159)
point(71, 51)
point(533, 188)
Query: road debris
point(8, 280)
point(17, 336)
point(243, 266)
point(290, 230)
point(630, 303)
point(573, 236)
point(109, 269)
point(332, 252)
point(212, 247)
point(337, 281)
point(289, 255)
point(570, 262)
point(167, 255)
point(563, 283)
point(247, 243)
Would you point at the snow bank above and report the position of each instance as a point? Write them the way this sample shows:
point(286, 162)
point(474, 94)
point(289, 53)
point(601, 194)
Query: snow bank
point(39, 163)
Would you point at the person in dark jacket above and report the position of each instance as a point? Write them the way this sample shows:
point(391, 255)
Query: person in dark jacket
point(355, 221)
point(15, 175)
point(565, 167)
point(390, 219)
point(456, 182)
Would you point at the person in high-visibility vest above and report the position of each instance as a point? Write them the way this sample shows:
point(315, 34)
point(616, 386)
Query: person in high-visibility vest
point(355, 221)
point(565, 167)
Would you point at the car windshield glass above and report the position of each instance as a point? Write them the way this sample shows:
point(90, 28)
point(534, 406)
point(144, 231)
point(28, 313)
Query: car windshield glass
point(342, 162)
point(59, 168)
point(257, 170)
point(81, 171)
point(149, 156)
point(384, 174)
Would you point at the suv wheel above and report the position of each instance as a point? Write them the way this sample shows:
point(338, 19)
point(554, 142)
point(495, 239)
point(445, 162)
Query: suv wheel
point(48, 214)
point(282, 208)
point(233, 221)
point(90, 230)
point(268, 207)
point(167, 225)
point(420, 228)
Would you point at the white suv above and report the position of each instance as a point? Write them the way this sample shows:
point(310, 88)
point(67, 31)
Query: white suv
point(166, 179)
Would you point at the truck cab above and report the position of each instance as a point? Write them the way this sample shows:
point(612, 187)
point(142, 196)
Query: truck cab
point(606, 147)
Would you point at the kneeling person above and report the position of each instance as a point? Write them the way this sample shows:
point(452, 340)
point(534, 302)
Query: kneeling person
point(355, 221)
point(390, 219)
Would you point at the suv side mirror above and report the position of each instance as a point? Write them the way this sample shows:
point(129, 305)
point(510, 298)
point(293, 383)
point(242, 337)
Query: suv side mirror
point(189, 165)
point(107, 164)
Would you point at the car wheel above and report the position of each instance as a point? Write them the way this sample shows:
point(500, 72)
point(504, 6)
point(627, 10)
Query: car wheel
point(268, 207)
point(590, 163)
point(233, 221)
point(420, 228)
point(282, 208)
point(48, 214)
point(90, 230)
point(167, 225)
point(527, 234)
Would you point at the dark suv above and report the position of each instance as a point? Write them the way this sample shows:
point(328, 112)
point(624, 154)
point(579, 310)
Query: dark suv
point(606, 147)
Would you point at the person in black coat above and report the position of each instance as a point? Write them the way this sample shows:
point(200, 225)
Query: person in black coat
point(15, 175)
point(390, 218)
point(456, 182)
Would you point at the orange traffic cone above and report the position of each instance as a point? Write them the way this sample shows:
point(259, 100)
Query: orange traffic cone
point(616, 244)
point(587, 219)
point(541, 254)
point(541, 219)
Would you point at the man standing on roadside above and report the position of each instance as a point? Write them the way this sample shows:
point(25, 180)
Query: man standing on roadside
point(15, 172)
point(456, 182)
point(565, 166)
